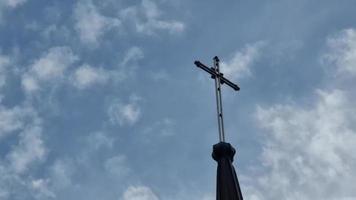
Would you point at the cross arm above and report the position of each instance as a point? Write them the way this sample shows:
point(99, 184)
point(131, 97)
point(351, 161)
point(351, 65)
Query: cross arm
point(229, 83)
point(214, 74)
point(205, 68)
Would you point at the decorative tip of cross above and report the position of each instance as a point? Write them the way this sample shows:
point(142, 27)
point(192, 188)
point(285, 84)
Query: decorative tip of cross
point(219, 80)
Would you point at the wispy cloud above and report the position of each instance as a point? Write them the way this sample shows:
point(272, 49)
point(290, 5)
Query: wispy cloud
point(30, 149)
point(125, 113)
point(147, 19)
point(4, 62)
point(61, 174)
point(41, 188)
point(48, 68)
point(86, 76)
point(91, 24)
point(163, 128)
point(241, 61)
point(14, 3)
point(133, 54)
point(117, 166)
point(99, 139)
point(11, 119)
point(139, 193)
point(342, 51)
point(307, 151)
point(27, 152)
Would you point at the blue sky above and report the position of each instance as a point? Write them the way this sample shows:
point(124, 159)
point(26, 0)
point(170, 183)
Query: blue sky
point(101, 100)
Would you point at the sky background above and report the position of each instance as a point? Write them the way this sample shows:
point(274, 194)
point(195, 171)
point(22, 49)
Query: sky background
point(101, 99)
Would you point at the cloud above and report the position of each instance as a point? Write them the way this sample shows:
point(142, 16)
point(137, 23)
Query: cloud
point(26, 151)
point(86, 76)
point(4, 62)
point(125, 113)
point(60, 174)
point(309, 153)
point(30, 149)
point(146, 18)
point(164, 127)
point(13, 3)
point(132, 55)
point(90, 24)
point(240, 63)
point(117, 165)
point(50, 67)
point(54, 67)
point(139, 193)
point(99, 139)
point(41, 188)
point(11, 120)
point(342, 51)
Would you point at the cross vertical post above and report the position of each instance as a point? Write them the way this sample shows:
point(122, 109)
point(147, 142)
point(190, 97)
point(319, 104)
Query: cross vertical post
point(218, 99)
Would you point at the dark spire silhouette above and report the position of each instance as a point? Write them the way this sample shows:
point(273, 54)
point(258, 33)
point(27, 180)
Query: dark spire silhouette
point(227, 184)
point(227, 187)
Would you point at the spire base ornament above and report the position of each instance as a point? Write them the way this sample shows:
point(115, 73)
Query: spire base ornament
point(227, 184)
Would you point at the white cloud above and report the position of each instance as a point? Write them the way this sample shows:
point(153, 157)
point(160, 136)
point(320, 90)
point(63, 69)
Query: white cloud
point(41, 188)
point(117, 165)
point(4, 62)
point(11, 120)
point(14, 3)
point(53, 63)
point(90, 24)
point(164, 127)
point(50, 67)
point(86, 76)
point(53, 68)
point(139, 193)
point(23, 156)
point(160, 75)
point(9, 4)
point(342, 51)
point(309, 153)
point(100, 139)
point(128, 65)
point(30, 149)
point(61, 172)
point(240, 63)
point(132, 55)
point(147, 19)
point(125, 113)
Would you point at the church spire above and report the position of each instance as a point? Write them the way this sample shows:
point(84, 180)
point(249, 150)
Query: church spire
point(228, 187)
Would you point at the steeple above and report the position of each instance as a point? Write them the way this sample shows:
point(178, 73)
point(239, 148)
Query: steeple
point(227, 184)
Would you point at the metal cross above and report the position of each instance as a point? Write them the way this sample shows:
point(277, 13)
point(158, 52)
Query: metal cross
point(219, 79)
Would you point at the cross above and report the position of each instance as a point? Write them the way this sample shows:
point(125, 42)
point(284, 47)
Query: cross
point(219, 80)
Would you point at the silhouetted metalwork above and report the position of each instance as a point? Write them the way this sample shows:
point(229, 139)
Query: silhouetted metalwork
point(228, 187)
point(227, 184)
point(219, 79)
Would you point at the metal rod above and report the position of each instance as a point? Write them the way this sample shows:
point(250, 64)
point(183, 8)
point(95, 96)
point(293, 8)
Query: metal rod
point(218, 100)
